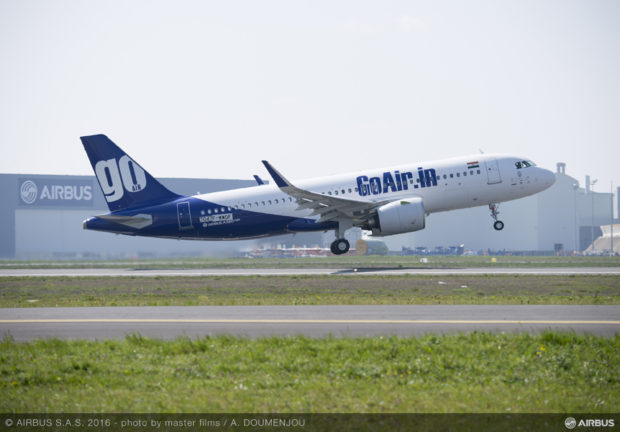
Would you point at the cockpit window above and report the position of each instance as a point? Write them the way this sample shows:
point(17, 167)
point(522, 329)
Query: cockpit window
point(524, 164)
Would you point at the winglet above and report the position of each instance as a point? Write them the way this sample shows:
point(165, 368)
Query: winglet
point(281, 182)
point(259, 180)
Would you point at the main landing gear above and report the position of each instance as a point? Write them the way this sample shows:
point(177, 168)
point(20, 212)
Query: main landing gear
point(341, 245)
point(498, 224)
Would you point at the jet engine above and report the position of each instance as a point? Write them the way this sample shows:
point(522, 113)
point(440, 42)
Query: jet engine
point(402, 216)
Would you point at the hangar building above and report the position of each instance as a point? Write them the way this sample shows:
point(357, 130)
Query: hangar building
point(42, 218)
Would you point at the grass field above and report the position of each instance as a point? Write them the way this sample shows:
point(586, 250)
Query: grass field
point(477, 372)
point(347, 261)
point(307, 290)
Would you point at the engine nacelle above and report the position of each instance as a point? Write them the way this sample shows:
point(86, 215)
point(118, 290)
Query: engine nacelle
point(402, 216)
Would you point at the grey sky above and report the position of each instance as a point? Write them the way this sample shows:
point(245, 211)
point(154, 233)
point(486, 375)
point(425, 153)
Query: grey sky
point(208, 89)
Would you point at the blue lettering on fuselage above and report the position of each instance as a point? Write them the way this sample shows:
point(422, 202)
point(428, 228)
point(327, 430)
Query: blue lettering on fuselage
point(395, 181)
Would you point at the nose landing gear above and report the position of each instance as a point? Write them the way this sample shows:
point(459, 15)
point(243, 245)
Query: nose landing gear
point(498, 224)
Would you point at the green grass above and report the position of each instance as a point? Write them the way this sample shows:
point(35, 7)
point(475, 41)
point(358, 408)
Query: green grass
point(308, 290)
point(347, 261)
point(478, 372)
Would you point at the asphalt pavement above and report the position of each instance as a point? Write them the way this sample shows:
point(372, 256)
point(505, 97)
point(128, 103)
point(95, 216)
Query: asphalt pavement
point(314, 321)
point(361, 271)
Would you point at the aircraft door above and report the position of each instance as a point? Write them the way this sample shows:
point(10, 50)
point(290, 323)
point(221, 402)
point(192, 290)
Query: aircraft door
point(184, 215)
point(493, 175)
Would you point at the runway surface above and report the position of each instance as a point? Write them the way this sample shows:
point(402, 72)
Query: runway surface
point(314, 321)
point(73, 272)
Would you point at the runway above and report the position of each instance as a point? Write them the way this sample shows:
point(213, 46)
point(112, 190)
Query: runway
point(313, 321)
point(132, 272)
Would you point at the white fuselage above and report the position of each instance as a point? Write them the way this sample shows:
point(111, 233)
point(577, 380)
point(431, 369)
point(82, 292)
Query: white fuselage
point(461, 182)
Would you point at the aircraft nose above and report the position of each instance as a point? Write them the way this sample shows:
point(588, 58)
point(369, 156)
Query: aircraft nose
point(547, 178)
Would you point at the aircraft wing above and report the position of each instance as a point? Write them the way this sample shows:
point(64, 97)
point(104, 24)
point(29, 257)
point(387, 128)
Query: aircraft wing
point(328, 207)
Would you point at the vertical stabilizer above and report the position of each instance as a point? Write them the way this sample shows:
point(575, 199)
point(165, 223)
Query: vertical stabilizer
point(124, 183)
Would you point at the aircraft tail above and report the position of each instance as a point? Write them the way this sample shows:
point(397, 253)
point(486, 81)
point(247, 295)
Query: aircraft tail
point(124, 183)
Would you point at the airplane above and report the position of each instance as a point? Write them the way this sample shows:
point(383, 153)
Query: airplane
point(385, 201)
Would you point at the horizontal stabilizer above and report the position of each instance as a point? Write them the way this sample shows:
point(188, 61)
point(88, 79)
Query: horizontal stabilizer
point(137, 221)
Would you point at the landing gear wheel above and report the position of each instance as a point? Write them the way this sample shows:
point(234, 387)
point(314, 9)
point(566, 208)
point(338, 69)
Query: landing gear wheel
point(340, 246)
point(498, 224)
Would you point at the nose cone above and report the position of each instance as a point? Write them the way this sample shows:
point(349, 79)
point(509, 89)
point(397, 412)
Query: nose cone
point(546, 178)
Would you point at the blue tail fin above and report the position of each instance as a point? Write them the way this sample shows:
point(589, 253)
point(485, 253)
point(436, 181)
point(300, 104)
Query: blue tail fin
point(124, 183)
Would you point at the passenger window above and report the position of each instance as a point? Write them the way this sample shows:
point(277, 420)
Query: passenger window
point(471, 172)
point(269, 202)
point(445, 177)
point(464, 173)
point(451, 175)
point(458, 174)
point(335, 192)
point(349, 190)
point(276, 200)
point(478, 171)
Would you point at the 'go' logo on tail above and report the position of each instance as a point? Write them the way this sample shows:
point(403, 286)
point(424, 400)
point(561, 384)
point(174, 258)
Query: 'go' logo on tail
point(116, 178)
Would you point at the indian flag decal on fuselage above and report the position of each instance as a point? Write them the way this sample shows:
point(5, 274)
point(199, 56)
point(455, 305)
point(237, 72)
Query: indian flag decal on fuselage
point(472, 165)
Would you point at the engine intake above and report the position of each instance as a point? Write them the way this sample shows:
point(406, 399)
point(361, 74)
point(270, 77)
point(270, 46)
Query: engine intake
point(402, 216)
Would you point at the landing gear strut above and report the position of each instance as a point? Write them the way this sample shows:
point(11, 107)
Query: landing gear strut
point(498, 224)
point(341, 245)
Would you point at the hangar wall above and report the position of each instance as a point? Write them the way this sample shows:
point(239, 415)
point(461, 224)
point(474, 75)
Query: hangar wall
point(42, 218)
